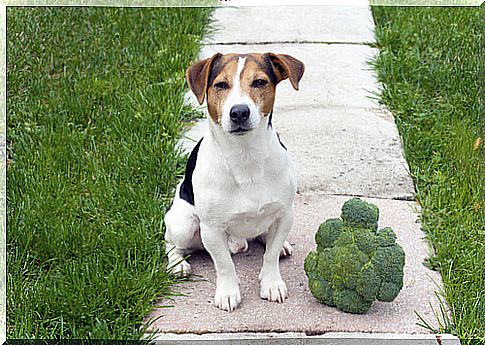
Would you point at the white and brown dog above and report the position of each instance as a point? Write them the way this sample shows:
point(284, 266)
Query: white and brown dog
point(239, 181)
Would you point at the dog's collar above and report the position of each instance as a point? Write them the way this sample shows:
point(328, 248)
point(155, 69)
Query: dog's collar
point(270, 124)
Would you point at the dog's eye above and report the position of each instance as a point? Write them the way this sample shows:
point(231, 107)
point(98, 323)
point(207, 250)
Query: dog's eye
point(258, 83)
point(222, 85)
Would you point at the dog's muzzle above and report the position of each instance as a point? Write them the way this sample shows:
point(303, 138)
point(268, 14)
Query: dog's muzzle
point(239, 116)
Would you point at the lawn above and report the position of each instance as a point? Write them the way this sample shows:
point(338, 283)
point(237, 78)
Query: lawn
point(429, 64)
point(94, 110)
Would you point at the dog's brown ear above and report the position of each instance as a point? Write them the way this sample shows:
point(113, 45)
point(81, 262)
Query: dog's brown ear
point(286, 66)
point(197, 76)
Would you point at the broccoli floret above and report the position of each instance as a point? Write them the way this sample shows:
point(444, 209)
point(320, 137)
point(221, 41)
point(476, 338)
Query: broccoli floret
point(355, 264)
point(322, 290)
point(319, 287)
point(366, 240)
point(368, 284)
point(389, 262)
point(358, 213)
point(388, 291)
point(351, 302)
point(348, 261)
point(328, 232)
point(311, 262)
point(387, 237)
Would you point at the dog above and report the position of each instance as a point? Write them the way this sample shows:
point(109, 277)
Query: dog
point(239, 182)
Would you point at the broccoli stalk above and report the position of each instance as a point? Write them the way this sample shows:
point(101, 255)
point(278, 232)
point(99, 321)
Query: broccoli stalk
point(355, 263)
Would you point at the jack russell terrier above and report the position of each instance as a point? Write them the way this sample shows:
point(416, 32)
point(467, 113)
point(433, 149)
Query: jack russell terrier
point(239, 181)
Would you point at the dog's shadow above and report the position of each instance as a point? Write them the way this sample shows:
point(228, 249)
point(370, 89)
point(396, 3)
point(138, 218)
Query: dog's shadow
point(248, 265)
point(203, 266)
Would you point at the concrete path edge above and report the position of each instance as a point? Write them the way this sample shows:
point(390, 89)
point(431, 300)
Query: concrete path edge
point(330, 338)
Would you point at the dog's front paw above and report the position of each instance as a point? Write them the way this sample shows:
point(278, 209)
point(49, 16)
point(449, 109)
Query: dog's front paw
point(274, 290)
point(227, 297)
point(182, 268)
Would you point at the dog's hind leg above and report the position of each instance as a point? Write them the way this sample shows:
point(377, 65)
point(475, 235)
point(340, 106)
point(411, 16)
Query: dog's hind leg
point(287, 249)
point(176, 261)
point(237, 244)
point(182, 235)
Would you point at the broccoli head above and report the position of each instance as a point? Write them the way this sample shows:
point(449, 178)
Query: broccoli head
point(355, 263)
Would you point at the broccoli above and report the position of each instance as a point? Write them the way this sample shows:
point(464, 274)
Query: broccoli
point(355, 263)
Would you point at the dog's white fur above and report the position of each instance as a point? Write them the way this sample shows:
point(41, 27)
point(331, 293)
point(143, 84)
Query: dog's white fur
point(244, 187)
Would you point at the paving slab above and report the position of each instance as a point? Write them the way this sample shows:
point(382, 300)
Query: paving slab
point(340, 151)
point(301, 313)
point(292, 24)
point(346, 151)
point(335, 75)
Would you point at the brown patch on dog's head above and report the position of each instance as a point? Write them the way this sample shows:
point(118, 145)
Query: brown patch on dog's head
point(197, 76)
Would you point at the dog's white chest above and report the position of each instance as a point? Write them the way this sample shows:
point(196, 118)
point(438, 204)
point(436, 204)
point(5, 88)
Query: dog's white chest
point(248, 209)
point(243, 191)
point(251, 215)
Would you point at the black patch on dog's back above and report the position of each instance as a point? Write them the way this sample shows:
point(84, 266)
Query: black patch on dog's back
point(186, 190)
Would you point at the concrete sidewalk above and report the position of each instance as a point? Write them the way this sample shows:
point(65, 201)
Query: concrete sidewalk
point(343, 144)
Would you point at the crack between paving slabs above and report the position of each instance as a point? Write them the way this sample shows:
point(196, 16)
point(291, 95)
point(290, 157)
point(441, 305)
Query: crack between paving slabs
point(398, 197)
point(376, 110)
point(371, 44)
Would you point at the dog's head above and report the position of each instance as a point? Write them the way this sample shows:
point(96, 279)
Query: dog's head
point(240, 88)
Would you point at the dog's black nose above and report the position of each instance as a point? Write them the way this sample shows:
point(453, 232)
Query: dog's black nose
point(239, 114)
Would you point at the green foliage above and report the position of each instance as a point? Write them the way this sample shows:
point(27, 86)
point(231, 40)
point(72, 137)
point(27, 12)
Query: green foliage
point(95, 105)
point(430, 65)
point(355, 263)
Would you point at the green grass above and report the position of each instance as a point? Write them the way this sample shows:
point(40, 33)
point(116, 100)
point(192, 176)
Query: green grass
point(429, 64)
point(95, 105)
